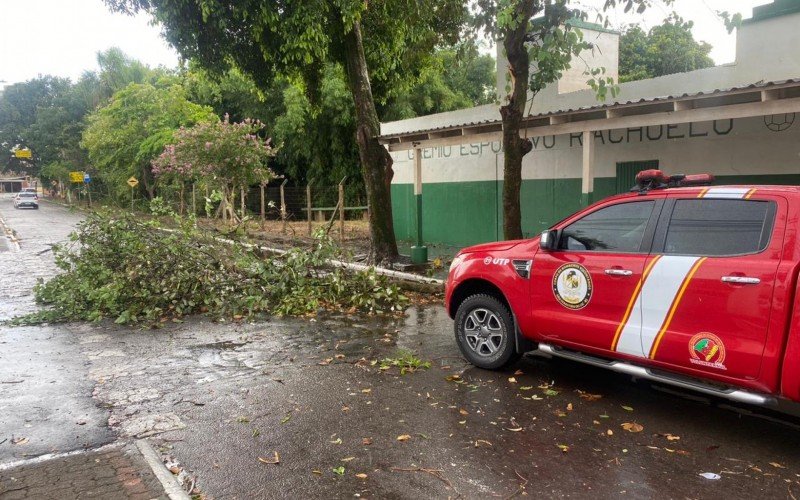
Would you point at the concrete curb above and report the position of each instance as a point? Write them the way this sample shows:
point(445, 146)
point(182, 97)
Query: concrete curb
point(55, 456)
point(165, 477)
point(13, 242)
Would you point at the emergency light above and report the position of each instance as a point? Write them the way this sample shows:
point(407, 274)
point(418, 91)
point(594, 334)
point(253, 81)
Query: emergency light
point(656, 179)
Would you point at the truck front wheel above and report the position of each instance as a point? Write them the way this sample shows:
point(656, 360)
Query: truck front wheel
point(485, 332)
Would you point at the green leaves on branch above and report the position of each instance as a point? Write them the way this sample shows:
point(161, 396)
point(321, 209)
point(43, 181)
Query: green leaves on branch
point(121, 268)
point(602, 84)
point(123, 137)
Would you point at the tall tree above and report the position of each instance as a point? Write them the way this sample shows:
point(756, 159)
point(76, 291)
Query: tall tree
point(380, 44)
point(123, 137)
point(538, 50)
point(458, 77)
point(665, 49)
point(20, 105)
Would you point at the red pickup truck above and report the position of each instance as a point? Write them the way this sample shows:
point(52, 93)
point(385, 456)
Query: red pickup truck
point(677, 282)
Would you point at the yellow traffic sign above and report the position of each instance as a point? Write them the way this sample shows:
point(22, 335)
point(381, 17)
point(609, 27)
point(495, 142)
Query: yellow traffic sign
point(76, 177)
point(133, 182)
point(23, 153)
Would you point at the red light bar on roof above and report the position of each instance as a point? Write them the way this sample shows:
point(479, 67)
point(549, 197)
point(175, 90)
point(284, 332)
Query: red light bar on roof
point(656, 179)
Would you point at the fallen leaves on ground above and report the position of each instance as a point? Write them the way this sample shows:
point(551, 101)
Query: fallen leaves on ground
point(403, 437)
point(339, 471)
point(670, 437)
point(777, 465)
point(19, 440)
point(275, 460)
point(519, 372)
point(632, 427)
point(366, 441)
point(512, 380)
point(589, 397)
point(626, 408)
point(564, 448)
point(482, 441)
point(361, 476)
point(347, 459)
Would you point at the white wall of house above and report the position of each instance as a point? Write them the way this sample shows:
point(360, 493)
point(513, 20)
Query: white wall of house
point(747, 146)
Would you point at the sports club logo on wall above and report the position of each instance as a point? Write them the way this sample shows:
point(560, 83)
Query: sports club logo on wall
point(706, 349)
point(779, 122)
point(572, 286)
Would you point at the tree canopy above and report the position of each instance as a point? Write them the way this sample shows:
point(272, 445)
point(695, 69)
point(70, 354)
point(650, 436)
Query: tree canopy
point(663, 50)
point(123, 137)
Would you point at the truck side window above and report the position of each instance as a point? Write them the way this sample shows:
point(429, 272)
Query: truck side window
point(719, 227)
point(617, 228)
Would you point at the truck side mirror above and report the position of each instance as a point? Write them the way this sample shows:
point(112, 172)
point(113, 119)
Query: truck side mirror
point(548, 240)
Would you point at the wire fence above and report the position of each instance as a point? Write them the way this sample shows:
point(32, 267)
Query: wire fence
point(279, 202)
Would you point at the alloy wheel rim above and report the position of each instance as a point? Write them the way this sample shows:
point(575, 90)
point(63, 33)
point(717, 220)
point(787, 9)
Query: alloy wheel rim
point(483, 332)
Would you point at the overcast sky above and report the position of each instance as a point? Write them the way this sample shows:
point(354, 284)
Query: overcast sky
point(62, 37)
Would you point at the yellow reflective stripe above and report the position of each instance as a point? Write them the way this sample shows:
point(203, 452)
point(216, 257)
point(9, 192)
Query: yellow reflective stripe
point(750, 193)
point(674, 307)
point(629, 309)
point(703, 192)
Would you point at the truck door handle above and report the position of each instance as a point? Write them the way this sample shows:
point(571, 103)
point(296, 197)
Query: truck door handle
point(619, 272)
point(741, 280)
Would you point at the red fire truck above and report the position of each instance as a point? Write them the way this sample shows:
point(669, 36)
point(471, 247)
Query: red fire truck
point(678, 282)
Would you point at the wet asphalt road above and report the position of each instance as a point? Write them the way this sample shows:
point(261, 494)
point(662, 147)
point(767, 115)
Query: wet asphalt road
point(217, 397)
point(45, 393)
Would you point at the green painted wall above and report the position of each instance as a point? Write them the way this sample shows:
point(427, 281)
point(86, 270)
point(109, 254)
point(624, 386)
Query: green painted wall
point(466, 213)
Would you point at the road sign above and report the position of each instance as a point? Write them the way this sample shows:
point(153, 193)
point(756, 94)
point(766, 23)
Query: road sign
point(133, 182)
point(23, 153)
point(87, 178)
point(76, 177)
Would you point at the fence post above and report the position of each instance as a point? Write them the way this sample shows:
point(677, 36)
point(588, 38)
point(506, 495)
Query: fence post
point(283, 205)
point(263, 208)
point(308, 204)
point(341, 210)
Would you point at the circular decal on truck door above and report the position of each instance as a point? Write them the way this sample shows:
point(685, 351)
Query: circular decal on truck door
point(572, 286)
point(706, 349)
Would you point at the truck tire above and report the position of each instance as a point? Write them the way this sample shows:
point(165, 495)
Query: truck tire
point(484, 332)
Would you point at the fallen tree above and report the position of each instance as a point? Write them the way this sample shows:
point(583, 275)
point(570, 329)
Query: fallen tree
point(116, 266)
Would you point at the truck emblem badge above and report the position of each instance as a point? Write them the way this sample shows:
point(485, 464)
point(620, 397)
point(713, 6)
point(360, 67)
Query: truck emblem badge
point(572, 286)
point(706, 349)
point(497, 261)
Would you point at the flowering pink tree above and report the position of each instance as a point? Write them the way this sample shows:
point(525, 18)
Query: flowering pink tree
point(219, 154)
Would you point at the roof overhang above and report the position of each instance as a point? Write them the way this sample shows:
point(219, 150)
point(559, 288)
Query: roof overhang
point(758, 99)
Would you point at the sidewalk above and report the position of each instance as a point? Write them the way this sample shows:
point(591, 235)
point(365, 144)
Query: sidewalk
point(116, 471)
